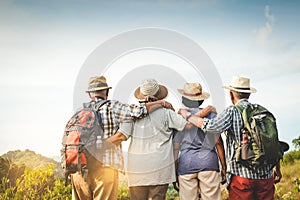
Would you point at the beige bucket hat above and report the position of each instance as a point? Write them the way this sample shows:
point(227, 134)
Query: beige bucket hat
point(150, 87)
point(240, 84)
point(193, 91)
point(97, 83)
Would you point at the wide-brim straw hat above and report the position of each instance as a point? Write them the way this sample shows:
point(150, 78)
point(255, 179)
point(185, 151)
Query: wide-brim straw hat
point(193, 91)
point(240, 84)
point(97, 83)
point(150, 88)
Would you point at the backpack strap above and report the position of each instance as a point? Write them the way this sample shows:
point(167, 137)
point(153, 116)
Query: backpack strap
point(240, 109)
point(99, 104)
point(95, 105)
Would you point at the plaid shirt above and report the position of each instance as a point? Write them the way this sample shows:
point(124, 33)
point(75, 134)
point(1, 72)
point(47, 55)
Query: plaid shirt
point(112, 113)
point(230, 120)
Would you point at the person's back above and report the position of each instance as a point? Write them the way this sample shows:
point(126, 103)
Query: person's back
point(197, 150)
point(198, 163)
point(102, 177)
point(150, 154)
point(243, 183)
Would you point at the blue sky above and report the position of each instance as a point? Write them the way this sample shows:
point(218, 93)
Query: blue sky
point(43, 45)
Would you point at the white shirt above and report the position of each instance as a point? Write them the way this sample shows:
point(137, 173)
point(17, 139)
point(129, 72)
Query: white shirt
point(150, 153)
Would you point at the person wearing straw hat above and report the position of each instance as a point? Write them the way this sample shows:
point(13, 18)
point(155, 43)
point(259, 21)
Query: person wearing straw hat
point(242, 182)
point(198, 164)
point(150, 154)
point(102, 179)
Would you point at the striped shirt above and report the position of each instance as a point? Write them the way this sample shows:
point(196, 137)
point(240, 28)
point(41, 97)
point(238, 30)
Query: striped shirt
point(230, 121)
point(112, 114)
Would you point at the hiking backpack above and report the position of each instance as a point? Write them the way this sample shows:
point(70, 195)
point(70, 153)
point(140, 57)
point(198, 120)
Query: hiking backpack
point(259, 139)
point(82, 138)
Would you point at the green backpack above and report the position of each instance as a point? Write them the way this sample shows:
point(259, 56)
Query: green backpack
point(259, 138)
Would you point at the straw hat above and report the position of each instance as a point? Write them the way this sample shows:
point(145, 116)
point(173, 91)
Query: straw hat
point(150, 87)
point(240, 84)
point(193, 91)
point(97, 83)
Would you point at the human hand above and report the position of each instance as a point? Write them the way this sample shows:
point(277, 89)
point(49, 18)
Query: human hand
point(183, 112)
point(206, 111)
point(223, 176)
point(277, 175)
point(211, 108)
point(176, 185)
point(168, 105)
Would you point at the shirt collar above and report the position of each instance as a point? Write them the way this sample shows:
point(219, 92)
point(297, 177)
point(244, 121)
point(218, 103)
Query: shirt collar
point(242, 102)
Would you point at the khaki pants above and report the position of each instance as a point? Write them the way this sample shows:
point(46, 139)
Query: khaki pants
point(101, 184)
point(207, 183)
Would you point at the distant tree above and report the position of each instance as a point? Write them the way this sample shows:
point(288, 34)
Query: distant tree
point(10, 171)
point(296, 142)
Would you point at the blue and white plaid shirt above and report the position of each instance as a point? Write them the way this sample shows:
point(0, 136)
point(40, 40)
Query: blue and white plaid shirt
point(230, 121)
point(112, 113)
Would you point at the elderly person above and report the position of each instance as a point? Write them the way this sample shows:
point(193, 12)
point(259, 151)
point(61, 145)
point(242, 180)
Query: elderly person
point(198, 164)
point(150, 154)
point(102, 178)
point(243, 182)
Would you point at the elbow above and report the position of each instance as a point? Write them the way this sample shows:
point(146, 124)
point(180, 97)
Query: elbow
point(122, 138)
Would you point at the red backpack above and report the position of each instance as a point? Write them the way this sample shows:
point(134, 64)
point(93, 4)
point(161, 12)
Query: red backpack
point(81, 135)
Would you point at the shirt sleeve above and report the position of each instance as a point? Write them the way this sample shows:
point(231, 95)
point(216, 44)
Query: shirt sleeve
point(126, 128)
point(123, 112)
point(177, 136)
point(220, 123)
point(175, 121)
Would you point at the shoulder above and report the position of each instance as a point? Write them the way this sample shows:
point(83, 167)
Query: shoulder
point(230, 110)
point(115, 104)
point(174, 116)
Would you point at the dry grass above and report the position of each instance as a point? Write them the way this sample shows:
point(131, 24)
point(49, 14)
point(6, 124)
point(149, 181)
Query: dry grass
point(287, 189)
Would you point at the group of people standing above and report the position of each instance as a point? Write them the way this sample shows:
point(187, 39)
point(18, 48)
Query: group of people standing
point(183, 148)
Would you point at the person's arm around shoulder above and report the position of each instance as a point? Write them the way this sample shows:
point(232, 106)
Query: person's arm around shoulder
point(152, 106)
point(174, 120)
point(206, 111)
point(193, 119)
point(125, 112)
point(215, 125)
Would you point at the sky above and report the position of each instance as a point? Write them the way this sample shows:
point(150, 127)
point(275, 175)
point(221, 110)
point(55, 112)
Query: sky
point(44, 44)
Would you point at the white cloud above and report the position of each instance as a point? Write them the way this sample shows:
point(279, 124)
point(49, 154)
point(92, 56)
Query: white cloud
point(264, 32)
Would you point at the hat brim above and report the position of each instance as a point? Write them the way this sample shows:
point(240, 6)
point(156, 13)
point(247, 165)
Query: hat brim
point(203, 96)
point(248, 90)
point(98, 89)
point(284, 146)
point(161, 93)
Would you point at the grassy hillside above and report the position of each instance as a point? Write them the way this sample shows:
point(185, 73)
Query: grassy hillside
point(12, 167)
point(29, 158)
point(32, 160)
